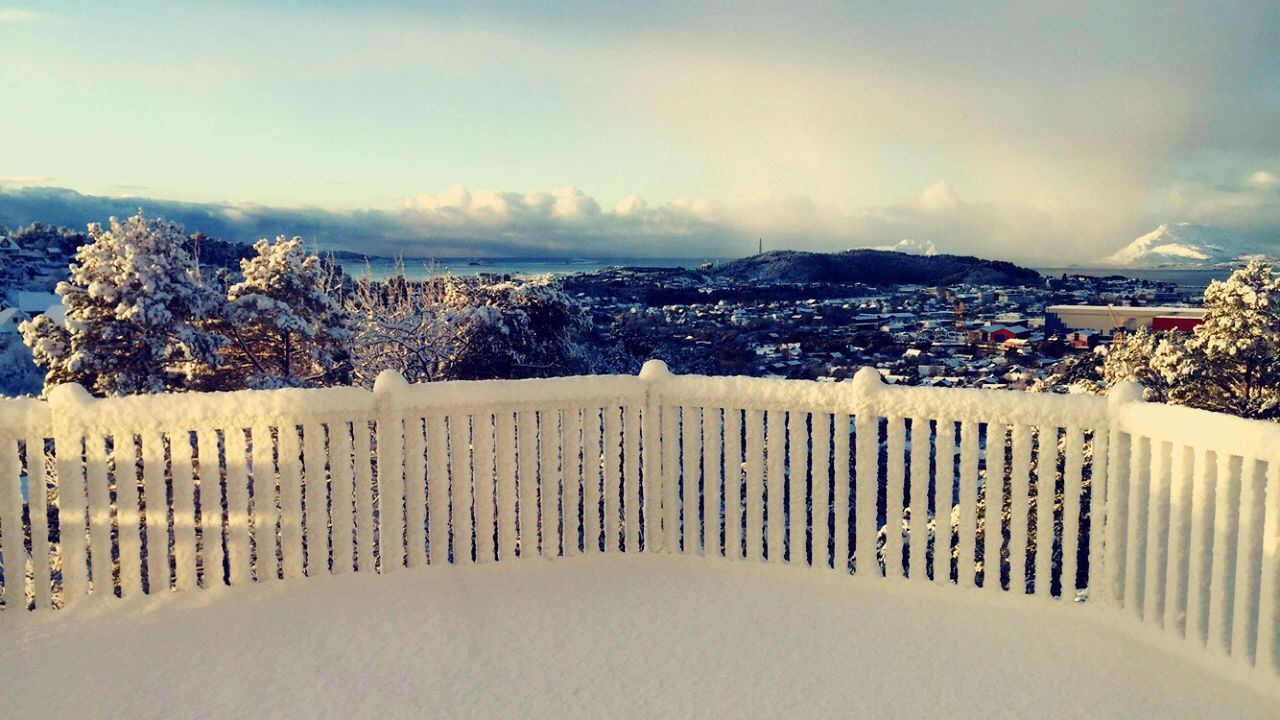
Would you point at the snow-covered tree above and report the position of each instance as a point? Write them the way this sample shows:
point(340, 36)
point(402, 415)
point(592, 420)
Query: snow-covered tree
point(1145, 357)
point(286, 324)
point(452, 328)
point(1231, 362)
point(135, 312)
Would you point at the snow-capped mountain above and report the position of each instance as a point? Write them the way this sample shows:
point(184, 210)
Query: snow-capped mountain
point(911, 247)
point(1182, 245)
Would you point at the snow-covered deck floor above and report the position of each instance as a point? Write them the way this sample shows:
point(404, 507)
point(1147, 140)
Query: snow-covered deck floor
point(620, 636)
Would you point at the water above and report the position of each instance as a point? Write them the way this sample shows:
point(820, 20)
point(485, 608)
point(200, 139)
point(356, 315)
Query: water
point(421, 268)
point(1187, 279)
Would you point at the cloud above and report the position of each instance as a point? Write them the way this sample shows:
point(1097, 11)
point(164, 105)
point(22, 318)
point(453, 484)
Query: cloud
point(19, 15)
point(567, 222)
point(1264, 179)
point(24, 180)
point(938, 196)
point(1249, 209)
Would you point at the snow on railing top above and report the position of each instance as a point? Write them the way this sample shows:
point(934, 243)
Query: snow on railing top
point(751, 468)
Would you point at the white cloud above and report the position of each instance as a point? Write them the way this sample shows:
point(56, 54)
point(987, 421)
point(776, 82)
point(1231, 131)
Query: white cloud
point(458, 222)
point(938, 196)
point(1264, 179)
point(568, 219)
point(25, 180)
point(19, 15)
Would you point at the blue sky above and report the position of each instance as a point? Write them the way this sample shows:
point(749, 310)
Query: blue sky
point(1048, 131)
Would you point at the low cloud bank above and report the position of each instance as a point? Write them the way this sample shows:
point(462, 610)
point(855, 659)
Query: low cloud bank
point(567, 222)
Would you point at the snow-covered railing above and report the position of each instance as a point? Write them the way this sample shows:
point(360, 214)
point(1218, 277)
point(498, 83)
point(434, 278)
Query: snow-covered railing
point(1168, 514)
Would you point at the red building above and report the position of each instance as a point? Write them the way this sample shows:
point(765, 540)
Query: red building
point(1002, 333)
point(1167, 322)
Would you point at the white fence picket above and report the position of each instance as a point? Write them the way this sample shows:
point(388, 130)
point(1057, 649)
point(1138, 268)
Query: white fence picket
point(797, 484)
point(12, 529)
point(753, 529)
point(841, 496)
point(415, 490)
point(918, 503)
point(993, 510)
point(712, 476)
point(943, 489)
point(775, 479)
point(820, 487)
point(733, 467)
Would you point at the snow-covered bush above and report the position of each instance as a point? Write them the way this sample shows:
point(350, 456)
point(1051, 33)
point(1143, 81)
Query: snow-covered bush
point(286, 325)
point(1146, 357)
point(451, 328)
point(136, 311)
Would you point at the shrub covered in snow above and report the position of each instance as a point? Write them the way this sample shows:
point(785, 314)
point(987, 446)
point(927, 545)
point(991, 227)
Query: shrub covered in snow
point(452, 328)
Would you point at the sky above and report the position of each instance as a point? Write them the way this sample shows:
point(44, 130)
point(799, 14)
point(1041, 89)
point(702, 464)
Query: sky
point(1038, 132)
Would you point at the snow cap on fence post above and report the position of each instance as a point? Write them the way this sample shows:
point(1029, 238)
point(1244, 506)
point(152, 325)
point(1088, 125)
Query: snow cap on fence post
point(1124, 392)
point(867, 381)
point(654, 370)
point(388, 383)
point(68, 395)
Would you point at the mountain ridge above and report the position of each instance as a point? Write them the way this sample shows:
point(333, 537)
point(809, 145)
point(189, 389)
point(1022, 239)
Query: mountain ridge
point(874, 267)
point(1181, 244)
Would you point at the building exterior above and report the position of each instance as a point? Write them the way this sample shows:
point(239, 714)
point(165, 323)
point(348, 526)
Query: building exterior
point(10, 319)
point(1174, 322)
point(1001, 334)
point(30, 302)
point(1109, 318)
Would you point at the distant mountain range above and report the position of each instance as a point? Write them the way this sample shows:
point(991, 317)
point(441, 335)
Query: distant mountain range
point(911, 247)
point(874, 267)
point(1174, 245)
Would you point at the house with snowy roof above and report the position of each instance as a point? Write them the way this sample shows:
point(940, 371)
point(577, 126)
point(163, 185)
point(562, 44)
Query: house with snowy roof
point(1000, 334)
point(31, 302)
point(10, 319)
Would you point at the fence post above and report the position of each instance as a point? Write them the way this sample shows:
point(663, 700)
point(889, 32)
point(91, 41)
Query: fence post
point(66, 402)
point(652, 373)
point(387, 388)
point(866, 384)
point(1115, 489)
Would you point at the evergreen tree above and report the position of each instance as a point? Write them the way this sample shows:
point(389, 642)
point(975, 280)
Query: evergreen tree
point(135, 307)
point(1231, 362)
point(286, 324)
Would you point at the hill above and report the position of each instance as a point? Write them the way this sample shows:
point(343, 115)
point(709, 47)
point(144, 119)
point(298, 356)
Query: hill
point(874, 267)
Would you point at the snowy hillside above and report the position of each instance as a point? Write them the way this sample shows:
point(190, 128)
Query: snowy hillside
point(1182, 245)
